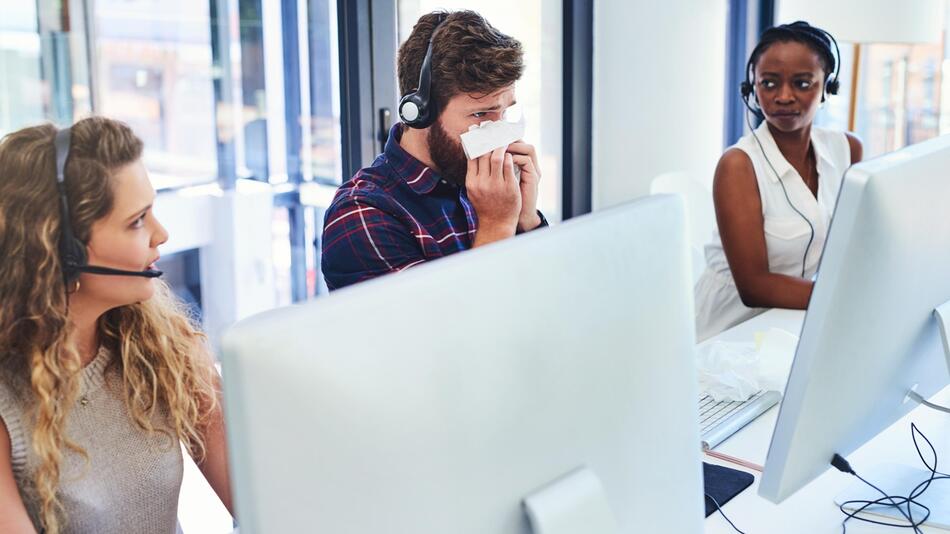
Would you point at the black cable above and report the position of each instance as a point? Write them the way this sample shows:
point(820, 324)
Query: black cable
point(724, 516)
point(894, 501)
point(811, 227)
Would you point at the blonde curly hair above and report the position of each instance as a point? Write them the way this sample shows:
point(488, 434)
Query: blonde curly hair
point(162, 356)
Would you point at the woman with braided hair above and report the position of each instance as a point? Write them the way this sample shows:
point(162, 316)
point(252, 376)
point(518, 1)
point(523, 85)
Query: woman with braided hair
point(776, 188)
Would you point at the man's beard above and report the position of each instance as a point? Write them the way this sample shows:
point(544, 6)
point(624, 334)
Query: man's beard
point(447, 155)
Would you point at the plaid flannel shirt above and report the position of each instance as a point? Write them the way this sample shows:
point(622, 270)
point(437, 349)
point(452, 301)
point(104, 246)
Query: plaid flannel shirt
point(393, 215)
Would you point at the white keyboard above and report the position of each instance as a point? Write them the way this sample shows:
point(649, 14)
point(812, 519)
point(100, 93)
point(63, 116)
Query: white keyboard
point(719, 420)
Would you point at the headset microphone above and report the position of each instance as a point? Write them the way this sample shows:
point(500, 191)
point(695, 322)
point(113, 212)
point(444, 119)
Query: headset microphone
point(109, 271)
point(72, 251)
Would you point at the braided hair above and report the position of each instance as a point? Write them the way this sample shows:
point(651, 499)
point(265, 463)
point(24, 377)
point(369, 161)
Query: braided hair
point(820, 41)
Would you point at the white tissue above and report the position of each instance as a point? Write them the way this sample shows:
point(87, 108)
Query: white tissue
point(489, 135)
point(727, 371)
point(736, 371)
point(776, 352)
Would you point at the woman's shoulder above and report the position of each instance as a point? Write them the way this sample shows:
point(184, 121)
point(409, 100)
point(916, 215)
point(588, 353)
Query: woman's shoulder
point(843, 144)
point(735, 173)
point(829, 133)
point(831, 136)
point(735, 160)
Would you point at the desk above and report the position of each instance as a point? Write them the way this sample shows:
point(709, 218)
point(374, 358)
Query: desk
point(812, 510)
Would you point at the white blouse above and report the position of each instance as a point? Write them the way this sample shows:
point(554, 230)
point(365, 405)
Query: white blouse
point(718, 305)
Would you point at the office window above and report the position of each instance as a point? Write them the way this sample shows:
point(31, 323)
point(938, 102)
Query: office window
point(323, 99)
point(154, 72)
point(21, 86)
point(898, 99)
point(537, 24)
point(282, 255)
point(44, 61)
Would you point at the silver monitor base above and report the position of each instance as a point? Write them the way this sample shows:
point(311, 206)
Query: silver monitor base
point(572, 504)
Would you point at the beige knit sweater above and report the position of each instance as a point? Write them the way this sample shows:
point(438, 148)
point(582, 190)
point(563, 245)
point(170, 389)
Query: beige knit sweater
point(131, 481)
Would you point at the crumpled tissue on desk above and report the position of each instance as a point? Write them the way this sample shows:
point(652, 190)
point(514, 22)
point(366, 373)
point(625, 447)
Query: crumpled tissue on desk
point(735, 371)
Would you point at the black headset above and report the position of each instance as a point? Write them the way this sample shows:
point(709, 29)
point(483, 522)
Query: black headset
point(803, 31)
point(72, 251)
point(416, 109)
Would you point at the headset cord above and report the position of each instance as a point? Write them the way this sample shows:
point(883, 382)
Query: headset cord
point(811, 227)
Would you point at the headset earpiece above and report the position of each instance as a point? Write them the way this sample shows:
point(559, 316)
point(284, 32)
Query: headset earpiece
point(745, 88)
point(72, 255)
point(833, 85)
point(416, 110)
point(72, 252)
point(413, 111)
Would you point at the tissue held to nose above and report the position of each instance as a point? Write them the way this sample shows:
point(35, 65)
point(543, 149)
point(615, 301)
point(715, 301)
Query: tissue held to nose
point(489, 135)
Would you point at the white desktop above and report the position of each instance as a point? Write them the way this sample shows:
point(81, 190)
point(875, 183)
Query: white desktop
point(871, 334)
point(542, 384)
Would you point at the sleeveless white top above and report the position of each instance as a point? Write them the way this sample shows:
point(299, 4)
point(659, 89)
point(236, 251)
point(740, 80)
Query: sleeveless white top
point(718, 305)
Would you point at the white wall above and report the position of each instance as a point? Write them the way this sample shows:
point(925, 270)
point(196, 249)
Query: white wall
point(659, 72)
point(232, 231)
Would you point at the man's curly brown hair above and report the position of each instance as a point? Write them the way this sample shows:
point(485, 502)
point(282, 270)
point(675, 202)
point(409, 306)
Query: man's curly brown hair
point(469, 55)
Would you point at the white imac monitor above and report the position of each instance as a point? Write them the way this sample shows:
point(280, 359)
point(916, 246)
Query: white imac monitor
point(870, 334)
point(542, 384)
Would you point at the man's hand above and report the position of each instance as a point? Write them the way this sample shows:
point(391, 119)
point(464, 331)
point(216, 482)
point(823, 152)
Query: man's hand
point(525, 157)
point(493, 190)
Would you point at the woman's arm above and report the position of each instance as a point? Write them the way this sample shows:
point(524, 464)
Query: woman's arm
point(13, 516)
point(741, 227)
point(857, 150)
point(214, 466)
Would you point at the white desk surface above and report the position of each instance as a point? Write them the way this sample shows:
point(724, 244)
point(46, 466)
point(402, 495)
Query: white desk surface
point(812, 510)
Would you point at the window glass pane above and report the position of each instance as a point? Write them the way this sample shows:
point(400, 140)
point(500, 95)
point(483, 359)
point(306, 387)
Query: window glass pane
point(324, 98)
point(254, 108)
point(898, 98)
point(154, 72)
point(280, 227)
point(537, 24)
point(21, 86)
point(45, 74)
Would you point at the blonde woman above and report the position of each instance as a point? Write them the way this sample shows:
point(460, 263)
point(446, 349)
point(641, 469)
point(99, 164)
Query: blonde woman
point(102, 377)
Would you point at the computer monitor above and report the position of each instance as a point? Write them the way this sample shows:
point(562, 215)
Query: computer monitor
point(438, 399)
point(870, 334)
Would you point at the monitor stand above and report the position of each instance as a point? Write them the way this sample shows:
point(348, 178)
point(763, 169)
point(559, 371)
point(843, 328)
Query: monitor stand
point(897, 480)
point(573, 504)
point(942, 313)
